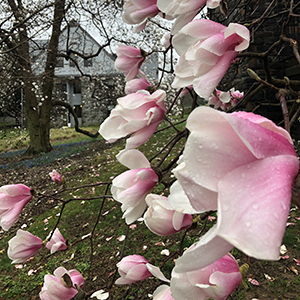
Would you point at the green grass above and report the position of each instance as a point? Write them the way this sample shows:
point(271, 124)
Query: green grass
point(18, 138)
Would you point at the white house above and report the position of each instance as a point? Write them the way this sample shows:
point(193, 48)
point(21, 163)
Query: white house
point(92, 84)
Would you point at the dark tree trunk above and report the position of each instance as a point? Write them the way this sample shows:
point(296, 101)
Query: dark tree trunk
point(38, 113)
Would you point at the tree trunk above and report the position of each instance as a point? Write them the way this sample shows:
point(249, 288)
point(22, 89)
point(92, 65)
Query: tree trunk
point(39, 133)
point(38, 113)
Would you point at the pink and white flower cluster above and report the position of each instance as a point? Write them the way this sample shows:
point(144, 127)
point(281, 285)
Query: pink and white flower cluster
point(139, 113)
point(244, 166)
point(25, 245)
point(206, 50)
point(162, 219)
point(62, 286)
point(132, 187)
point(216, 281)
point(13, 198)
point(137, 12)
point(129, 61)
point(241, 165)
point(225, 100)
point(57, 242)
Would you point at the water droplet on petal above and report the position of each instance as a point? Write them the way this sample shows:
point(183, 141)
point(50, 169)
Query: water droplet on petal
point(255, 206)
point(248, 224)
point(225, 207)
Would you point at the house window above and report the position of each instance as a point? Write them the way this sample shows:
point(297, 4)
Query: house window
point(73, 60)
point(77, 86)
point(60, 62)
point(88, 62)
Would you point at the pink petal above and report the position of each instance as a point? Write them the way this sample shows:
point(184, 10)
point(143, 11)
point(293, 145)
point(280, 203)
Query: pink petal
point(205, 84)
point(213, 146)
point(178, 199)
point(297, 261)
point(141, 136)
point(209, 249)
point(254, 219)
point(133, 159)
point(200, 198)
point(193, 31)
point(156, 272)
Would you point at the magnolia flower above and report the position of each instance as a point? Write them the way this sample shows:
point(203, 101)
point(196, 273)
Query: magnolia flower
point(175, 8)
point(215, 281)
point(225, 99)
point(236, 96)
point(61, 286)
point(134, 85)
point(220, 99)
point(22, 246)
point(13, 198)
point(163, 292)
point(162, 219)
point(139, 113)
point(56, 177)
point(57, 242)
point(129, 61)
point(131, 188)
point(132, 268)
point(184, 10)
point(138, 12)
point(249, 164)
point(206, 49)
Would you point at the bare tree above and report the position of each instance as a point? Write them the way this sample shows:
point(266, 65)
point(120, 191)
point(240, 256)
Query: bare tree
point(21, 22)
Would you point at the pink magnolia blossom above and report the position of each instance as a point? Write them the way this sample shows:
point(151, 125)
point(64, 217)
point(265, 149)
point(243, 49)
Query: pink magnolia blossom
point(129, 61)
point(215, 281)
point(13, 198)
point(132, 187)
point(137, 84)
point(139, 113)
point(225, 100)
point(175, 8)
point(56, 177)
point(57, 242)
point(162, 219)
point(163, 292)
point(58, 287)
point(220, 99)
point(132, 268)
point(250, 164)
point(206, 49)
point(236, 96)
point(22, 246)
point(184, 11)
point(138, 12)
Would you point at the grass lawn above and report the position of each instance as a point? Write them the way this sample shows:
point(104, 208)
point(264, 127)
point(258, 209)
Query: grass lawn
point(85, 162)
